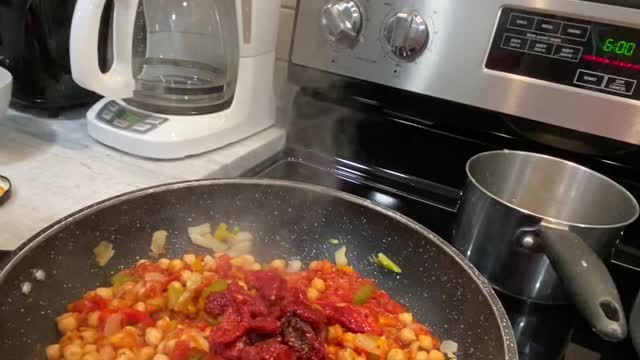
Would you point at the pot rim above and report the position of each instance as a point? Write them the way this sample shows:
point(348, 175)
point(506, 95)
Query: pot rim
point(634, 202)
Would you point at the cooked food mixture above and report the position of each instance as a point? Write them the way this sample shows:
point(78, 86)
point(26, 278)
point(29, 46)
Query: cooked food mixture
point(223, 307)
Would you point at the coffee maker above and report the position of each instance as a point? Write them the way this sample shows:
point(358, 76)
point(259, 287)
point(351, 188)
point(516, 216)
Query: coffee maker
point(188, 76)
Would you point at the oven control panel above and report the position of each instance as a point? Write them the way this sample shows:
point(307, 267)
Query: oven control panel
point(589, 55)
point(574, 64)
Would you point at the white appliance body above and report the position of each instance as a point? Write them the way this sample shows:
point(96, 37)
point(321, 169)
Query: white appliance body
point(115, 123)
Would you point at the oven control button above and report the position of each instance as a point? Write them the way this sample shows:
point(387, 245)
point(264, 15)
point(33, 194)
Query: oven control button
point(341, 21)
point(406, 35)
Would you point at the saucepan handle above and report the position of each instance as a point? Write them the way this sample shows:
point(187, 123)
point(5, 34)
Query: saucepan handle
point(587, 281)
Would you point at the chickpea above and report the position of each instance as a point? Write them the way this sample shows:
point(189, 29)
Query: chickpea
point(91, 356)
point(318, 284)
point(315, 265)
point(349, 340)
point(105, 293)
point(166, 347)
point(405, 318)
point(107, 353)
point(53, 352)
point(189, 258)
point(89, 348)
point(175, 265)
point(67, 322)
point(346, 354)
point(94, 319)
point(88, 335)
point(184, 276)
point(199, 342)
point(436, 355)
point(248, 259)
point(413, 348)
point(164, 263)
point(146, 353)
point(426, 342)
point(334, 333)
point(422, 355)
point(312, 294)
point(125, 354)
point(72, 352)
point(397, 354)
point(161, 357)
point(194, 280)
point(153, 336)
point(209, 263)
point(255, 267)
point(278, 264)
point(236, 261)
point(407, 336)
point(140, 306)
point(155, 303)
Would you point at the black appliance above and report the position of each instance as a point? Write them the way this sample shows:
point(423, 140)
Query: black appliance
point(34, 47)
point(395, 97)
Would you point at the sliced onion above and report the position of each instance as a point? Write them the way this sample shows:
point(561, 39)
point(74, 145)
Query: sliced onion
point(208, 241)
point(158, 241)
point(369, 343)
point(242, 248)
point(448, 346)
point(341, 256)
point(194, 280)
point(113, 324)
point(104, 251)
point(199, 230)
point(294, 266)
point(243, 236)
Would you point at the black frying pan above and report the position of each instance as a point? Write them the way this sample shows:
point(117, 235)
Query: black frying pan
point(289, 220)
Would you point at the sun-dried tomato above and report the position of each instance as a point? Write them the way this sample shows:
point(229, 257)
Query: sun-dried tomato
point(300, 337)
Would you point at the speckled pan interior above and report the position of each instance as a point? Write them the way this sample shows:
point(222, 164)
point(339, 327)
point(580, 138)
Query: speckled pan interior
point(289, 220)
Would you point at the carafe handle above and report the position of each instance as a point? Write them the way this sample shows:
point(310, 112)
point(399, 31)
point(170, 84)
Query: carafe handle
point(118, 82)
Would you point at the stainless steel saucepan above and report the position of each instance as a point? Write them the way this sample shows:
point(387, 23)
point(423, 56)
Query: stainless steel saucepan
point(538, 228)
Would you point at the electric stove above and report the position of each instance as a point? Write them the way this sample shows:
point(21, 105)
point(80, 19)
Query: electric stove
point(408, 153)
point(392, 98)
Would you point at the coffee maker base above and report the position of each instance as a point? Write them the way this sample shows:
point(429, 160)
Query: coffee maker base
point(160, 136)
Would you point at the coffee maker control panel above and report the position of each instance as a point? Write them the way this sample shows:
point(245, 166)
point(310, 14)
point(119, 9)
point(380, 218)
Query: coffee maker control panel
point(127, 119)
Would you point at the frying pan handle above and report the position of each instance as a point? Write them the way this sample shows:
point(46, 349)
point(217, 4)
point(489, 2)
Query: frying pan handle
point(587, 281)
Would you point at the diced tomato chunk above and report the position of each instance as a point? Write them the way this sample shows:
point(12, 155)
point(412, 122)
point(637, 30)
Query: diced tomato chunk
point(133, 317)
point(88, 304)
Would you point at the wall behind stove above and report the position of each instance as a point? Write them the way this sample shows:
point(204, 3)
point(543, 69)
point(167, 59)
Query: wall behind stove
point(284, 91)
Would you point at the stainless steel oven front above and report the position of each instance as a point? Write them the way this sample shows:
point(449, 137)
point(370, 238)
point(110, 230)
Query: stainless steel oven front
point(570, 63)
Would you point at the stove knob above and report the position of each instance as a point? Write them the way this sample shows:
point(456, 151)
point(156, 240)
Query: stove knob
point(342, 22)
point(406, 35)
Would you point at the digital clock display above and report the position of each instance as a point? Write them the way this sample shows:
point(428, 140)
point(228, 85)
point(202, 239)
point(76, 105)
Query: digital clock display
point(618, 47)
point(590, 55)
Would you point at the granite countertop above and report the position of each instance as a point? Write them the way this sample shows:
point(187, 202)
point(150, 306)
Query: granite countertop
point(57, 168)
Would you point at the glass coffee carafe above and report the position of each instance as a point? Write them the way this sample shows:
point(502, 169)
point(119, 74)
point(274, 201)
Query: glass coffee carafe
point(171, 57)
